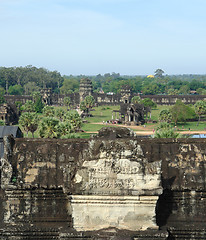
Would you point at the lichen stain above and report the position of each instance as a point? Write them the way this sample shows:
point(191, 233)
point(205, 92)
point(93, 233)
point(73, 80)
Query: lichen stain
point(32, 173)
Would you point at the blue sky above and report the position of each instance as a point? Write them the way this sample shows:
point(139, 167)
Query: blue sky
point(132, 37)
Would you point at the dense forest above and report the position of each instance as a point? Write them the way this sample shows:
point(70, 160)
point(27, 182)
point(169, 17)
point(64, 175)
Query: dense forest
point(29, 79)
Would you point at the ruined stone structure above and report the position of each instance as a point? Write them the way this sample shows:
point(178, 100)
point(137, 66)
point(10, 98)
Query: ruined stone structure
point(12, 99)
point(46, 96)
point(112, 99)
point(132, 114)
point(110, 187)
point(171, 99)
point(9, 114)
point(124, 96)
point(85, 88)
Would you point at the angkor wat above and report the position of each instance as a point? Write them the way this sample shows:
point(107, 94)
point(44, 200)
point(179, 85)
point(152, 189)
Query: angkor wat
point(124, 96)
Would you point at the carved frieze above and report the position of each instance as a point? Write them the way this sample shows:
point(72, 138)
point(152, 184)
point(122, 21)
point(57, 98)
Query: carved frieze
point(122, 173)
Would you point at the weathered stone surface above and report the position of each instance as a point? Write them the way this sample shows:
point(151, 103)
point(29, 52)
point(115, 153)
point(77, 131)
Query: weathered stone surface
point(119, 168)
point(92, 213)
point(112, 133)
point(82, 188)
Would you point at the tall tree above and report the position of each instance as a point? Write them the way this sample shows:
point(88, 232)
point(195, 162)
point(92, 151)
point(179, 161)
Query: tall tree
point(150, 89)
point(184, 89)
point(49, 128)
point(67, 102)
point(29, 121)
point(70, 85)
point(165, 130)
point(165, 116)
point(200, 109)
point(181, 112)
point(74, 119)
point(49, 111)
point(30, 87)
point(2, 92)
point(159, 73)
point(16, 90)
point(87, 104)
point(37, 99)
point(135, 100)
point(28, 106)
point(147, 102)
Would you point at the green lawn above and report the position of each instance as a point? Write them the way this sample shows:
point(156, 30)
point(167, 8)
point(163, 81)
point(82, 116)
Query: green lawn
point(192, 126)
point(104, 113)
point(99, 114)
point(156, 111)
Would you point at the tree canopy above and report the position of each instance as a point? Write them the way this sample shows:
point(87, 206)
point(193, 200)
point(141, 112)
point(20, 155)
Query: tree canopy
point(181, 112)
point(29, 79)
point(87, 104)
point(29, 121)
point(200, 108)
point(159, 73)
point(165, 130)
point(165, 116)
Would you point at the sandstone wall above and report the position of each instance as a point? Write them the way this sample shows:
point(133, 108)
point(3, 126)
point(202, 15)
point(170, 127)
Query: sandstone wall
point(115, 99)
point(171, 99)
point(109, 187)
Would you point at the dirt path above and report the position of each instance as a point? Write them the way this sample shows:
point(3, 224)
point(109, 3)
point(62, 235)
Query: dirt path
point(141, 130)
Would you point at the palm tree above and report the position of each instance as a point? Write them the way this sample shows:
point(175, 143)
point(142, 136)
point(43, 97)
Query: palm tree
point(74, 119)
point(87, 104)
point(29, 106)
point(29, 122)
point(165, 130)
point(65, 128)
point(200, 108)
point(165, 116)
point(49, 128)
point(67, 102)
point(49, 111)
point(60, 113)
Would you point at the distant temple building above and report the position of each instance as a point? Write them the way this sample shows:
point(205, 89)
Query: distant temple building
point(126, 94)
point(9, 114)
point(102, 98)
point(132, 114)
point(85, 88)
point(46, 96)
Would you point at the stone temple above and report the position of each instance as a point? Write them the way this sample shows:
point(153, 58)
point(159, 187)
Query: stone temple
point(113, 186)
point(101, 98)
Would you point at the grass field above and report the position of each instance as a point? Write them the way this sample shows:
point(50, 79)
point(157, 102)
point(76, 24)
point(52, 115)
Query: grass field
point(156, 111)
point(100, 114)
point(104, 113)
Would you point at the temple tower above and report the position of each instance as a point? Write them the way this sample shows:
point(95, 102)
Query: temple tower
point(46, 96)
point(85, 88)
point(126, 93)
